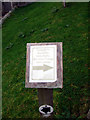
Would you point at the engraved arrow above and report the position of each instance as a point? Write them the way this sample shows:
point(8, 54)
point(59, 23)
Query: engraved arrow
point(44, 68)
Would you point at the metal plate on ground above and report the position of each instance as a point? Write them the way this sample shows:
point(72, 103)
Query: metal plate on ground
point(43, 63)
point(46, 110)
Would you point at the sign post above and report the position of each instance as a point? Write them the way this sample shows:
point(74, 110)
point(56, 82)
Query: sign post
point(45, 97)
point(44, 70)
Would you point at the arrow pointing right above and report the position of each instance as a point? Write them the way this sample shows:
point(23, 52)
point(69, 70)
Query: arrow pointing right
point(44, 67)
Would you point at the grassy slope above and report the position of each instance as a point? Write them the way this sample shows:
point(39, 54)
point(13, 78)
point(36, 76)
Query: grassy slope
point(68, 25)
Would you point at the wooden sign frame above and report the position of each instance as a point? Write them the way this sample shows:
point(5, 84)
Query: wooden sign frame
point(59, 82)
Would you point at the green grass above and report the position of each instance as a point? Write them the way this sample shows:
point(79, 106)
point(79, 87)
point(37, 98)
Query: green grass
point(25, 25)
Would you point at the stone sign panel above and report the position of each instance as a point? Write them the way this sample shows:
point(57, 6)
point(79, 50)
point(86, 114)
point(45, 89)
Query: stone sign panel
point(44, 67)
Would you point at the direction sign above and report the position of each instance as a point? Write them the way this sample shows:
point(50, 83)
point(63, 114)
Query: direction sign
point(43, 65)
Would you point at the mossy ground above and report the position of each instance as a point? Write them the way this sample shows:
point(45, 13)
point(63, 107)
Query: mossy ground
point(46, 22)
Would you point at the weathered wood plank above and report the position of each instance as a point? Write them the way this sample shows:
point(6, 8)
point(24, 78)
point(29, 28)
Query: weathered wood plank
point(45, 97)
